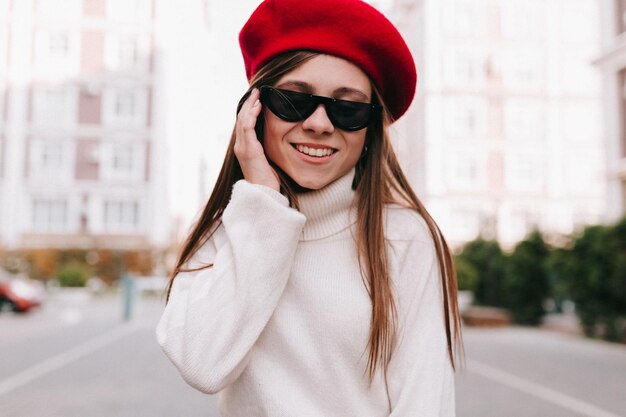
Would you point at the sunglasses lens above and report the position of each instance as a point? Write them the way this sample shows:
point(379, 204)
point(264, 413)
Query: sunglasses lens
point(289, 106)
point(350, 115)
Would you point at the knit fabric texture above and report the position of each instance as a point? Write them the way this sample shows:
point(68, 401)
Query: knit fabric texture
point(279, 325)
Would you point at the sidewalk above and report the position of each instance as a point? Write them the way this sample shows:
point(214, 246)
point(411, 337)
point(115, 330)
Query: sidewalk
point(562, 323)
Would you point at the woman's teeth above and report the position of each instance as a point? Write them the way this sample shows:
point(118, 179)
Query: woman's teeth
point(319, 152)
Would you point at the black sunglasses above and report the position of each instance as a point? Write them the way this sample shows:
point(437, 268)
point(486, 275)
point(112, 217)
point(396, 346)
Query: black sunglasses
point(292, 106)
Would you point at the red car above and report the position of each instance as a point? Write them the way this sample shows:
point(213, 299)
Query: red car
point(20, 295)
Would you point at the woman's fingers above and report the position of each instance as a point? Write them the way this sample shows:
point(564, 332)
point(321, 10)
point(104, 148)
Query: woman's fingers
point(250, 111)
point(247, 144)
point(248, 150)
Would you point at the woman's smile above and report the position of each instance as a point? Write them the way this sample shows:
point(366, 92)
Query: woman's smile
point(318, 151)
point(312, 153)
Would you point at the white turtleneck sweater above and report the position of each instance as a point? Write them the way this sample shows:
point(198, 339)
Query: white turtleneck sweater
point(280, 324)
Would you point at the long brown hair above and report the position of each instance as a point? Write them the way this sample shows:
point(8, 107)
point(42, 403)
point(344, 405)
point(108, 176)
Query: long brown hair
point(378, 181)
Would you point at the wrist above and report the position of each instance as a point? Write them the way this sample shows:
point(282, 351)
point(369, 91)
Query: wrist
point(264, 180)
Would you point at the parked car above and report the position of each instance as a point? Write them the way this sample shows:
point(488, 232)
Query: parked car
point(20, 294)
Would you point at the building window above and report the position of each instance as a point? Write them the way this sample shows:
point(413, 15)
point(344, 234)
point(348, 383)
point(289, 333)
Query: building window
point(49, 161)
point(125, 108)
point(127, 52)
point(465, 67)
point(58, 9)
point(121, 215)
point(466, 172)
point(524, 173)
point(463, 19)
point(58, 53)
point(49, 215)
point(52, 156)
point(522, 20)
point(59, 44)
point(55, 45)
point(522, 71)
point(123, 162)
point(123, 159)
point(465, 116)
point(523, 119)
point(54, 106)
point(129, 10)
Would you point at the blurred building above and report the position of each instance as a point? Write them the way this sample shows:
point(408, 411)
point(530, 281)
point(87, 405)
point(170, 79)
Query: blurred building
point(612, 62)
point(505, 134)
point(82, 157)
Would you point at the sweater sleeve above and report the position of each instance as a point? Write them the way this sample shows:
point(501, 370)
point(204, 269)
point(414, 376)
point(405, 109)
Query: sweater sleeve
point(215, 315)
point(420, 376)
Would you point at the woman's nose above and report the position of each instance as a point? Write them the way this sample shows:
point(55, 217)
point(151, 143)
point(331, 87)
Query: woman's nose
point(318, 122)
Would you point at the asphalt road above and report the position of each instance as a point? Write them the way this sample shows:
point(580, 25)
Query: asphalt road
point(77, 357)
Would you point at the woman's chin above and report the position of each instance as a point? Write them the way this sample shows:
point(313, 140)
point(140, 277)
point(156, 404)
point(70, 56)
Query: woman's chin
point(309, 184)
point(305, 186)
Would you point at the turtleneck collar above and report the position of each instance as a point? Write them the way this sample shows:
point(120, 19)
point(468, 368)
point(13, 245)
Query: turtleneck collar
point(330, 209)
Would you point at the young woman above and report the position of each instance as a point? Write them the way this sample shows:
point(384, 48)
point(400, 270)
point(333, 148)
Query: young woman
point(315, 283)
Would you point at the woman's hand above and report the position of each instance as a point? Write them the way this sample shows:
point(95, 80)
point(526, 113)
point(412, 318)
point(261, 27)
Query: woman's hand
point(248, 149)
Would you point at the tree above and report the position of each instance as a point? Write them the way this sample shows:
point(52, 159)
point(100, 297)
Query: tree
point(597, 280)
point(73, 275)
point(487, 259)
point(526, 280)
point(466, 274)
point(557, 266)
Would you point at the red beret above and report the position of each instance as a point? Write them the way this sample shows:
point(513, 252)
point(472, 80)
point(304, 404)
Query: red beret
point(349, 29)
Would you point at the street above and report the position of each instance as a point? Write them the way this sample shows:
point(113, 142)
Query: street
point(78, 357)
point(525, 372)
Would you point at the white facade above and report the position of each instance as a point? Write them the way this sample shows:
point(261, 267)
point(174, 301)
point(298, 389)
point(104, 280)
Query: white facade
point(612, 62)
point(82, 159)
point(506, 131)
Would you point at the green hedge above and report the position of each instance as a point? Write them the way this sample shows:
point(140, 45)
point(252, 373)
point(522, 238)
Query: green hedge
point(517, 282)
point(593, 273)
point(590, 271)
point(485, 259)
point(526, 280)
point(73, 275)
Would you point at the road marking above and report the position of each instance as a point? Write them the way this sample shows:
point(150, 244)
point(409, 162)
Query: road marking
point(63, 359)
point(538, 390)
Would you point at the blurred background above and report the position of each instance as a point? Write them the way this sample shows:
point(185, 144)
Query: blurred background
point(114, 119)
